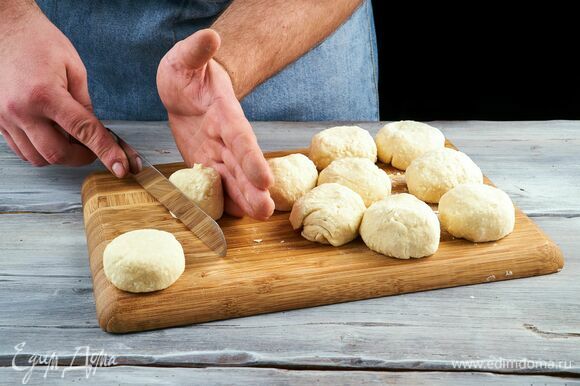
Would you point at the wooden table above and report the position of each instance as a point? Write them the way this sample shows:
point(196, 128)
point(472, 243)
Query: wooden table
point(515, 332)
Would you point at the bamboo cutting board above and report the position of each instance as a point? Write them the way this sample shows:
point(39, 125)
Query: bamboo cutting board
point(270, 267)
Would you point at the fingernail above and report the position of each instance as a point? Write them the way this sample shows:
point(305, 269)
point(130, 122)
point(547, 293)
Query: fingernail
point(118, 169)
point(139, 164)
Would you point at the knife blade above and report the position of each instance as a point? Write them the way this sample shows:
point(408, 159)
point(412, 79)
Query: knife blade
point(156, 184)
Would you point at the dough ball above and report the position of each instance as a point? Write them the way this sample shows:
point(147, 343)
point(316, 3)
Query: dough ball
point(294, 175)
point(477, 212)
point(401, 226)
point(328, 214)
point(435, 173)
point(361, 175)
point(399, 143)
point(202, 185)
point(340, 142)
point(144, 260)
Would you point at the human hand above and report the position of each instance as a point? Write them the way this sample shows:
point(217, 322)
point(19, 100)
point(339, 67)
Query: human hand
point(44, 97)
point(209, 125)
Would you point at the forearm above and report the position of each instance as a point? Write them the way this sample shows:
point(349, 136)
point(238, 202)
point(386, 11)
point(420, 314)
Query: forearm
point(261, 37)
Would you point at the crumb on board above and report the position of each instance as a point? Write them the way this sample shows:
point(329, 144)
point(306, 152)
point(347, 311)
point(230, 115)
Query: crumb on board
point(258, 241)
point(490, 278)
point(282, 241)
point(508, 273)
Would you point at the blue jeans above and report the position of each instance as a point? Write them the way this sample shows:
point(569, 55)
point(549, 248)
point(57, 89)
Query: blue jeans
point(122, 42)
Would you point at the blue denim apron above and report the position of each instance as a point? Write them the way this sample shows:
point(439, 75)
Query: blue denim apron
point(122, 42)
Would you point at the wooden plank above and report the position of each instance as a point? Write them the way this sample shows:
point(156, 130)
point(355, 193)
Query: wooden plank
point(540, 157)
point(128, 375)
point(43, 245)
point(536, 318)
point(284, 271)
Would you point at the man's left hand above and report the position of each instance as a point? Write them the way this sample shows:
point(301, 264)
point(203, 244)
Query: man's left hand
point(209, 125)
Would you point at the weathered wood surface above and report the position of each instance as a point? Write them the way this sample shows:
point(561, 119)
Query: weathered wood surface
point(130, 375)
point(43, 257)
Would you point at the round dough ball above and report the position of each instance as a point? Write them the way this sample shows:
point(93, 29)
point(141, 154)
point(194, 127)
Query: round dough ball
point(477, 212)
point(361, 175)
point(399, 143)
point(202, 185)
point(294, 175)
point(328, 214)
point(435, 173)
point(401, 226)
point(340, 142)
point(143, 260)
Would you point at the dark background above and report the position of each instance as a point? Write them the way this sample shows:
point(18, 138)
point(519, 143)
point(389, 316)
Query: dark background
point(477, 62)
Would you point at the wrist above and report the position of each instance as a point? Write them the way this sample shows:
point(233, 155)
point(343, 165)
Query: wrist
point(16, 10)
point(235, 76)
point(15, 13)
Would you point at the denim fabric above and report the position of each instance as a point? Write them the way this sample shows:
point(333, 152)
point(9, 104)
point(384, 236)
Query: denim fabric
point(122, 42)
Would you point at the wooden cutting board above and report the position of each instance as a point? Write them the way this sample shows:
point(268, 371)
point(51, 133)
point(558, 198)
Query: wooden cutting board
point(270, 267)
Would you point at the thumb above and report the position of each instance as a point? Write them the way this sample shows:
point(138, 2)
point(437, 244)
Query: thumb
point(196, 50)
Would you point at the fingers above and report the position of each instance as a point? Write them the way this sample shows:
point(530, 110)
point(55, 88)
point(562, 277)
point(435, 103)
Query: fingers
point(55, 148)
point(240, 139)
point(11, 144)
point(213, 148)
point(196, 50)
point(259, 200)
point(210, 154)
point(79, 122)
point(232, 190)
point(26, 148)
point(41, 145)
point(232, 208)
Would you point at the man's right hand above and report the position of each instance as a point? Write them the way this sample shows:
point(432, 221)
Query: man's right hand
point(44, 95)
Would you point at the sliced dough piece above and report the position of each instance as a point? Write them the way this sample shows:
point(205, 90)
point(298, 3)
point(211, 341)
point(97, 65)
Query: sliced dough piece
point(143, 260)
point(202, 185)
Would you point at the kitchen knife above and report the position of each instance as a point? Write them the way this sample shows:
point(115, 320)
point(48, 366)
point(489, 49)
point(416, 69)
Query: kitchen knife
point(156, 184)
